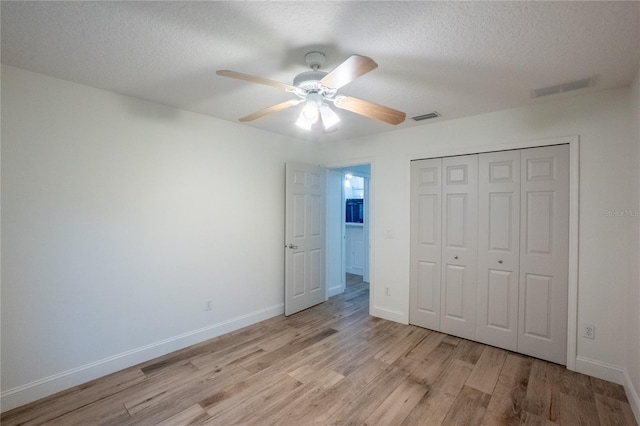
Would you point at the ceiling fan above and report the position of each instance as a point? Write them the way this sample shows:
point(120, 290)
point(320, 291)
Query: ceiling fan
point(317, 89)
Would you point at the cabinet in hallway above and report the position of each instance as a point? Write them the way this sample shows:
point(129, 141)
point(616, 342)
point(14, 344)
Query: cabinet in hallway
point(354, 248)
point(489, 248)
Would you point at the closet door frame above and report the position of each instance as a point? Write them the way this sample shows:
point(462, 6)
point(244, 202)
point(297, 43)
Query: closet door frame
point(574, 173)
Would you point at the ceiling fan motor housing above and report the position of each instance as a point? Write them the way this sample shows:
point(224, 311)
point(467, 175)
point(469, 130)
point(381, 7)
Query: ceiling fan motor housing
point(309, 80)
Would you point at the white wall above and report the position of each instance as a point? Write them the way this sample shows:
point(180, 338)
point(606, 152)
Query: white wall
point(607, 153)
point(632, 319)
point(335, 228)
point(119, 219)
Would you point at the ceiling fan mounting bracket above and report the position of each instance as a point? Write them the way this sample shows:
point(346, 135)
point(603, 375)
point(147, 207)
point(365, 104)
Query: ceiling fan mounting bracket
point(315, 59)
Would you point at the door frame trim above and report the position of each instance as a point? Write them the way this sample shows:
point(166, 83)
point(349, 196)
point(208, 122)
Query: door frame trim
point(574, 218)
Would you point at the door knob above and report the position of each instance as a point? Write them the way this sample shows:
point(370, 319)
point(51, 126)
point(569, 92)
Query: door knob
point(455, 257)
point(291, 246)
point(500, 262)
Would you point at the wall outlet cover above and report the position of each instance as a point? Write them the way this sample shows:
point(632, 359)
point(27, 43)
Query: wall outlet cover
point(589, 331)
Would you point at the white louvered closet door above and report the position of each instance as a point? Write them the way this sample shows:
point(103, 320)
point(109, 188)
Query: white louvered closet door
point(498, 248)
point(544, 252)
point(459, 245)
point(426, 247)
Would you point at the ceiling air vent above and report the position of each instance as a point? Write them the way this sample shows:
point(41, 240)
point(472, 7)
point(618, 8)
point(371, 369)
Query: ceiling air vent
point(561, 88)
point(426, 116)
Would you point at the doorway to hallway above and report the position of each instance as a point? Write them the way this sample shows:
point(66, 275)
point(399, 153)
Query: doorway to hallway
point(348, 229)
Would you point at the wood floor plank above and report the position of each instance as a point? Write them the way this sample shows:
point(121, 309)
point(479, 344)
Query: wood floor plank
point(217, 344)
point(297, 345)
point(286, 409)
point(543, 396)
point(366, 348)
point(75, 398)
point(529, 419)
point(574, 410)
point(276, 407)
point(422, 348)
point(613, 390)
point(468, 351)
point(427, 370)
point(187, 393)
point(436, 403)
point(485, 374)
point(408, 338)
point(452, 340)
point(239, 405)
point(193, 413)
point(506, 404)
point(335, 364)
point(356, 409)
point(612, 411)
point(576, 384)
point(321, 351)
point(323, 378)
point(92, 414)
point(160, 389)
point(330, 400)
point(468, 408)
point(397, 406)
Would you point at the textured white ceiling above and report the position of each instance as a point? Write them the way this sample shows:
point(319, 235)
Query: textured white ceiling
point(457, 58)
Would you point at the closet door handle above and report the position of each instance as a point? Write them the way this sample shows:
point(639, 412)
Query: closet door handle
point(455, 257)
point(500, 262)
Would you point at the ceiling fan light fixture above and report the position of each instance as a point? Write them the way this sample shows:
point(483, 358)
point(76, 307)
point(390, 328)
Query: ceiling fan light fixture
point(310, 111)
point(329, 117)
point(303, 122)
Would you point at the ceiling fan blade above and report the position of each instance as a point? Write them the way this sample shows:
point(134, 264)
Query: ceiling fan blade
point(348, 71)
point(369, 109)
point(269, 110)
point(254, 79)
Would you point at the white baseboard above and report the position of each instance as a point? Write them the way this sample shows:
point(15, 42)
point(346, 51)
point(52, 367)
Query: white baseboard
point(599, 369)
point(46, 386)
point(334, 291)
point(389, 314)
point(632, 395)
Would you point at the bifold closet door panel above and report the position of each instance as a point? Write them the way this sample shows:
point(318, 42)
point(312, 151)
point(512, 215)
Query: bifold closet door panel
point(426, 247)
point(459, 245)
point(498, 248)
point(544, 252)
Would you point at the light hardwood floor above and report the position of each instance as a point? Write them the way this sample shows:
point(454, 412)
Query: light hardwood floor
point(335, 364)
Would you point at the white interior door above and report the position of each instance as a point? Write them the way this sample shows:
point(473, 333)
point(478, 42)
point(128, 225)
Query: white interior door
point(498, 248)
point(426, 247)
point(304, 237)
point(544, 252)
point(459, 245)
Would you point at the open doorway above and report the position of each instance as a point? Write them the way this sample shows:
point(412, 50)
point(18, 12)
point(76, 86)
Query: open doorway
point(348, 230)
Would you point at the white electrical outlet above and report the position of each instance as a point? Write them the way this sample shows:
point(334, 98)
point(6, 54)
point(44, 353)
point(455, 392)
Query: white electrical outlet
point(589, 331)
point(208, 305)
